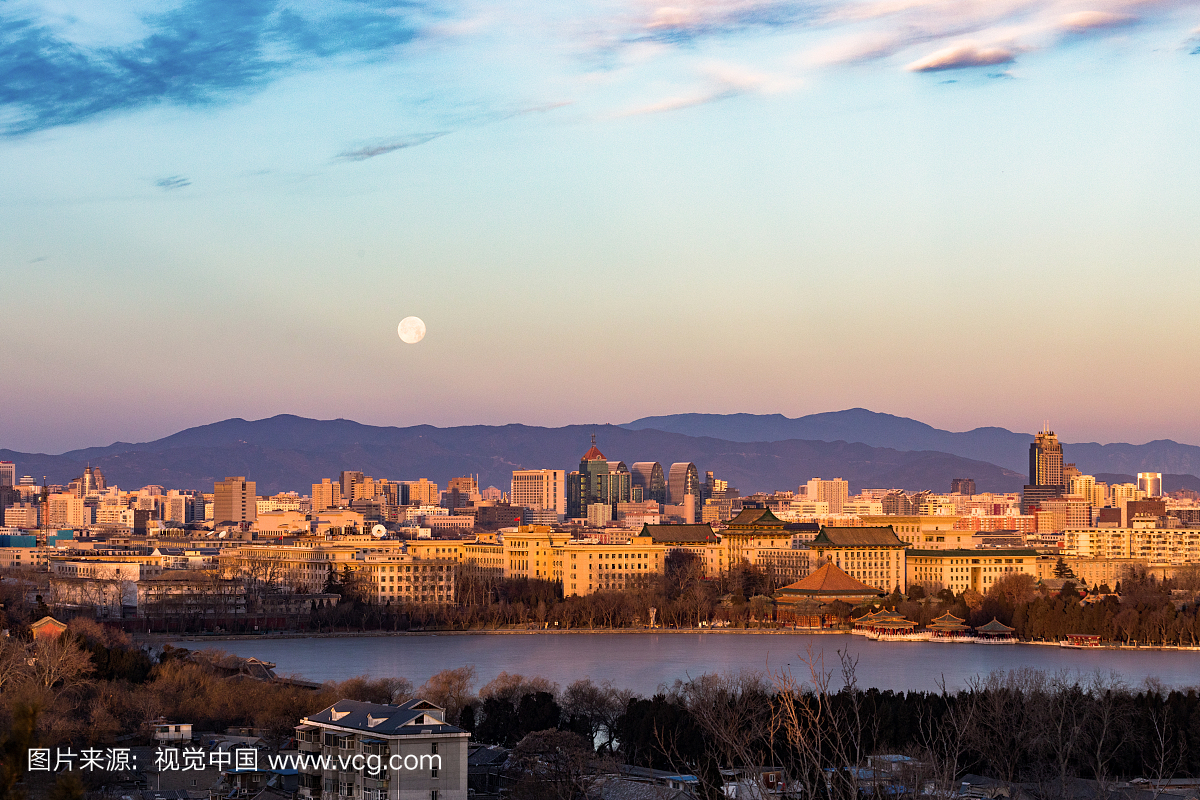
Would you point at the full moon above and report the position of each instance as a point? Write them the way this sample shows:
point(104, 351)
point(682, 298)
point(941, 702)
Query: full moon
point(411, 330)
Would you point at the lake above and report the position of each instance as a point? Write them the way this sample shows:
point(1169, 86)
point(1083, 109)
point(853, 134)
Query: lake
point(642, 662)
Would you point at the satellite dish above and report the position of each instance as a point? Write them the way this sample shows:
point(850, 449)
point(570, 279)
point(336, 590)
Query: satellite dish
point(379, 531)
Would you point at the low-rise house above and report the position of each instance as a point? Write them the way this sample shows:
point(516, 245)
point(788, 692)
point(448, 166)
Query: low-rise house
point(374, 751)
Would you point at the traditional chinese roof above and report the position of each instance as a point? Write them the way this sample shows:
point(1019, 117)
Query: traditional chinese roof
point(995, 626)
point(410, 718)
point(755, 518)
point(829, 581)
point(948, 622)
point(680, 534)
point(881, 536)
point(47, 627)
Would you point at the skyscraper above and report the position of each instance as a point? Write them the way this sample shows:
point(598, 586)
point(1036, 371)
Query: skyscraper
point(1046, 460)
point(234, 500)
point(8, 473)
point(1150, 483)
point(649, 476)
point(682, 480)
point(1046, 477)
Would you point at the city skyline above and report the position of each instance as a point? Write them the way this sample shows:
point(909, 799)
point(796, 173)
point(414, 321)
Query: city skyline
point(218, 212)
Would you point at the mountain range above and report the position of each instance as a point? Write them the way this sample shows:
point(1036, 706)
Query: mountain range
point(999, 446)
point(870, 450)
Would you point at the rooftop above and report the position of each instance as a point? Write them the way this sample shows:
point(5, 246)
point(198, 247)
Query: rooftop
point(756, 518)
point(681, 534)
point(882, 536)
point(409, 718)
point(830, 580)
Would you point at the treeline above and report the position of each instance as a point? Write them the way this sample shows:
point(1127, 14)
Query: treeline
point(1146, 611)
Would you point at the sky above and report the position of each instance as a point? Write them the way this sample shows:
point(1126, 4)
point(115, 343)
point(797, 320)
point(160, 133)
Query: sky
point(969, 212)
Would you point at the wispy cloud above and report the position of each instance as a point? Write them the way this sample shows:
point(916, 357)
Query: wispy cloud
point(723, 80)
point(203, 52)
point(173, 182)
point(1095, 20)
point(385, 146)
point(962, 56)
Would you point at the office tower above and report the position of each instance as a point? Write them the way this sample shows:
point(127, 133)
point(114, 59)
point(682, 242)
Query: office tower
point(592, 480)
point(423, 493)
point(682, 480)
point(618, 484)
point(348, 480)
point(461, 492)
point(833, 492)
point(540, 489)
point(1046, 475)
point(234, 500)
point(1046, 460)
point(1150, 483)
point(962, 486)
point(326, 495)
point(648, 475)
point(8, 473)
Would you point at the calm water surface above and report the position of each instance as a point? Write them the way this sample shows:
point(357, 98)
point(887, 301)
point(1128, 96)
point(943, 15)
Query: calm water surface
point(642, 662)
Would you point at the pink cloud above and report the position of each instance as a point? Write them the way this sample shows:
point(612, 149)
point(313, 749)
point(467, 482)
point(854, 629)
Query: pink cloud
point(961, 56)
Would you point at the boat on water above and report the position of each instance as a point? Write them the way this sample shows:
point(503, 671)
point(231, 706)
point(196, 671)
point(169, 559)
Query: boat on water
point(1081, 641)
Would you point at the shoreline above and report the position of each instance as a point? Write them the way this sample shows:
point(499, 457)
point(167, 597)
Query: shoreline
point(164, 638)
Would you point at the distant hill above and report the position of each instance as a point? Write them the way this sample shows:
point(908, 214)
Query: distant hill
point(994, 445)
point(290, 453)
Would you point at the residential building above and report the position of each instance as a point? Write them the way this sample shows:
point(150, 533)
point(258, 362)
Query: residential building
point(963, 486)
point(540, 490)
point(423, 493)
point(234, 501)
point(21, 515)
point(419, 755)
point(834, 492)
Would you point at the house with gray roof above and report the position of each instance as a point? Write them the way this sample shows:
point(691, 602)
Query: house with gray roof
point(375, 751)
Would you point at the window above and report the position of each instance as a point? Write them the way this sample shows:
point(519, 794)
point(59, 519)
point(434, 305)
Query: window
point(433, 748)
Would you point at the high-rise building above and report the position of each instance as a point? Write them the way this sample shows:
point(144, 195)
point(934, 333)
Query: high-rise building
point(348, 480)
point(1046, 476)
point(326, 495)
point(1150, 483)
point(593, 478)
point(1046, 460)
point(234, 500)
point(65, 510)
point(618, 485)
point(648, 475)
point(8, 473)
point(423, 493)
point(540, 490)
point(962, 486)
point(833, 492)
point(682, 480)
point(462, 492)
